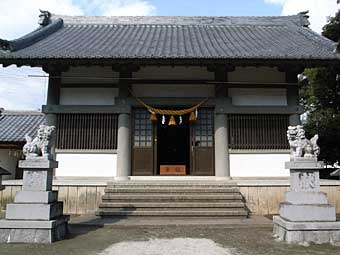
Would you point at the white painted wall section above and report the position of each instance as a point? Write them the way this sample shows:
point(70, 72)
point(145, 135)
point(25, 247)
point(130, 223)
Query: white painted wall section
point(258, 96)
point(86, 165)
point(88, 96)
point(257, 75)
point(177, 72)
point(162, 90)
point(8, 162)
point(258, 165)
point(90, 75)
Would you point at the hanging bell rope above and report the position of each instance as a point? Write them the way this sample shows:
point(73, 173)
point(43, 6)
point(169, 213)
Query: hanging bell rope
point(172, 122)
point(192, 117)
point(153, 117)
point(172, 112)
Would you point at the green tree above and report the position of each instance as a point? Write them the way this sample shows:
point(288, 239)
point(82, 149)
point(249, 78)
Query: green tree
point(321, 100)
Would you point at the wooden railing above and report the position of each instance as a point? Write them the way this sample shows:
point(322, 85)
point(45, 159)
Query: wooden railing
point(87, 131)
point(258, 131)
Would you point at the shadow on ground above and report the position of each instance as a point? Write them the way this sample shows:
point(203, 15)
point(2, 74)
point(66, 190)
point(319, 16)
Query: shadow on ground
point(90, 238)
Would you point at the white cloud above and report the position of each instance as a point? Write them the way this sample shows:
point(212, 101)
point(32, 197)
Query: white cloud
point(319, 10)
point(18, 91)
point(119, 7)
point(275, 1)
point(19, 17)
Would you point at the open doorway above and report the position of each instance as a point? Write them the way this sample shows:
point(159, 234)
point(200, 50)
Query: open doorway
point(173, 144)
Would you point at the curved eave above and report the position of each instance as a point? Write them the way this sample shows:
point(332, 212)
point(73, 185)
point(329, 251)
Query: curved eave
point(36, 62)
point(31, 38)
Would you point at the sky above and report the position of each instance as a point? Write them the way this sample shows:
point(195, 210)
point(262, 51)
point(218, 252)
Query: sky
point(18, 91)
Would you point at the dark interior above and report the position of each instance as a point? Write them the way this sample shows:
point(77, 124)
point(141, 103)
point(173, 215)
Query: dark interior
point(173, 143)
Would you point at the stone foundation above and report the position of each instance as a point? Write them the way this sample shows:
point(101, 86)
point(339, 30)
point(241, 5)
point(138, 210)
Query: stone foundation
point(13, 231)
point(306, 232)
point(306, 215)
point(35, 216)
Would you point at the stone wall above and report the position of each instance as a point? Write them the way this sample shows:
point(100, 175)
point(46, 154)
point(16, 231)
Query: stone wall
point(77, 199)
point(264, 199)
point(261, 199)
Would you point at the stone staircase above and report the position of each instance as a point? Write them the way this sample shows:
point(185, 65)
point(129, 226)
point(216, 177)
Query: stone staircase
point(172, 199)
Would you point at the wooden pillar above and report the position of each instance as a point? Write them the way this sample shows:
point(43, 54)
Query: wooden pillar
point(54, 84)
point(53, 93)
point(124, 122)
point(293, 92)
point(124, 147)
point(222, 166)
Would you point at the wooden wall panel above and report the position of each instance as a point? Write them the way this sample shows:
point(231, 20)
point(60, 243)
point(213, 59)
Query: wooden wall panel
point(87, 131)
point(258, 131)
point(260, 200)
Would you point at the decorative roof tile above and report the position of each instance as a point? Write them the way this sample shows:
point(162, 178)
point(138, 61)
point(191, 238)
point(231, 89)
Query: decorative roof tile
point(15, 125)
point(283, 37)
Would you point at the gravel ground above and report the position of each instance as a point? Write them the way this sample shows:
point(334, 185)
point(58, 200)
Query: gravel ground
point(168, 240)
point(182, 246)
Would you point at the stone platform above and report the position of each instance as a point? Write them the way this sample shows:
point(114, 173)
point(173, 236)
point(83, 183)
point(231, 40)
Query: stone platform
point(306, 232)
point(306, 215)
point(33, 231)
point(36, 216)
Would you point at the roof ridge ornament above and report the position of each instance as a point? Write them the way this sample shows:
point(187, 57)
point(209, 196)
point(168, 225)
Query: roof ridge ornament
point(304, 18)
point(4, 45)
point(337, 47)
point(44, 18)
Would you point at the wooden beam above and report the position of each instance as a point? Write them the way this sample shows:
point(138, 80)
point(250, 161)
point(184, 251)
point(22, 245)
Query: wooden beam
point(172, 101)
point(260, 110)
point(181, 62)
point(88, 85)
point(60, 109)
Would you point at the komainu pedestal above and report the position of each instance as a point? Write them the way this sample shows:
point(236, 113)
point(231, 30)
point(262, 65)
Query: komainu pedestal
point(305, 215)
point(35, 216)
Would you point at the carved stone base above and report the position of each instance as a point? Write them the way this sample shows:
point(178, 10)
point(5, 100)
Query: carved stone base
point(306, 232)
point(31, 211)
point(43, 197)
point(19, 231)
point(311, 213)
point(306, 198)
point(35, 216)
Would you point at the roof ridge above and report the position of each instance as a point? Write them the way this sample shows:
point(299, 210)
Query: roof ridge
point(21, 112)
point(296, 20)
point(179, 25)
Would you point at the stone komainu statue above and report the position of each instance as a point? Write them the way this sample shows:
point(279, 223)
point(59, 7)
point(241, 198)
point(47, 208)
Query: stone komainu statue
point(300, 146)
point(41, 145)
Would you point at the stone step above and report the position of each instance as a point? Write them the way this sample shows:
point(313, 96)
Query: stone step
point(185, 198)
point(172, 205)
point(172, 197)
point(170, 184)
point(175, 213)
point(172, 190)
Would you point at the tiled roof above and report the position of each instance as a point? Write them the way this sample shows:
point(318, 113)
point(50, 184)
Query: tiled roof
point(284, 37)
point(15, 125)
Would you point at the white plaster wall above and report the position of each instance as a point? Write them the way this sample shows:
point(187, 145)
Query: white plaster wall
point(8, 162)
point(177, 72)
point(258, 96)
point(257, 75)
point(161, 90)
point(88, 96)
point(258, 165)
point(91, 74)
point(86, 165)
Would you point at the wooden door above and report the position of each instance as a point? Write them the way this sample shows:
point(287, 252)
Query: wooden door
point(142, 144)
point(202, 144)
